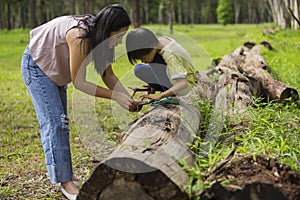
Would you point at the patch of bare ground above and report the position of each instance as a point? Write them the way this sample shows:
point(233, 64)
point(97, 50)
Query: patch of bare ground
point(257, 178)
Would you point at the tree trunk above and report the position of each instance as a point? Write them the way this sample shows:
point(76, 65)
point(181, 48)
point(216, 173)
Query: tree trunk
point(179, 10)
point(191, 11)
point(244, 74)
point(170, 15)
point(146, 11)
point(256, 67)
point(146, 162)
point(136, 14)
point(160, 12)
point(22, 12)
point(2, 23)
point(146, 165)
point(237, 9)
point(233, 89)
point(9, 27)
point(294, 10)
point(280, 13)
point(186, 11)
point(32, 11)
point(73, 4)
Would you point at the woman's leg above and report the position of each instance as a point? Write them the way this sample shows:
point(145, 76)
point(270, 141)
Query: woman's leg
point(50, 104)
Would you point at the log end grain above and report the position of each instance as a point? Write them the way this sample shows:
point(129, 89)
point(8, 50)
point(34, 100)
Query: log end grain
point(289, 93)
point(108, 183)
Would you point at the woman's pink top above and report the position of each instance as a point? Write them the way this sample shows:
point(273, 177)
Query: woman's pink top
point(49, 49)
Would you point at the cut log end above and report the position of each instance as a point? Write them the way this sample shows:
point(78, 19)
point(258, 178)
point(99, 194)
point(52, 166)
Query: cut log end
point(109, 182)
point(289, 93)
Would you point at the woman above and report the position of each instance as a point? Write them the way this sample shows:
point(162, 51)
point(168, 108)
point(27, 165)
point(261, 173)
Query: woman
point(54, 58)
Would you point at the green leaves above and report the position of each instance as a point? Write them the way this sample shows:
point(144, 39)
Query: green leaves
point(225, 12)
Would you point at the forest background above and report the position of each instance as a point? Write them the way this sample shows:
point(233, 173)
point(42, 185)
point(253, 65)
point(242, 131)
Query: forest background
point(274, 128)
point(30, 13)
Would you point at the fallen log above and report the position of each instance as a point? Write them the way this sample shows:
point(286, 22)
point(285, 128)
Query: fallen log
point(244, 73)
point(147, 163)
point(233, 90)
point(256, 67)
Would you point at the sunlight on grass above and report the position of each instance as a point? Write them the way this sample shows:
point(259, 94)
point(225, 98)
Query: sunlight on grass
point(275, 128)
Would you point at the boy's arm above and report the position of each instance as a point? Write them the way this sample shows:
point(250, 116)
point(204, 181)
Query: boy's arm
point(180, 84)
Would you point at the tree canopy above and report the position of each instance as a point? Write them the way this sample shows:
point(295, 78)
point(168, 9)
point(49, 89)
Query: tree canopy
point(225, 12)
point(30, 13)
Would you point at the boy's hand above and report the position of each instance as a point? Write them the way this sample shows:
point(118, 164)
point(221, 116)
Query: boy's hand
point(151, 97)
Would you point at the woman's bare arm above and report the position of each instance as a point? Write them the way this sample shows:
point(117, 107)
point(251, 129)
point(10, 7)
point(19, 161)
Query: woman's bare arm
point(78, 55)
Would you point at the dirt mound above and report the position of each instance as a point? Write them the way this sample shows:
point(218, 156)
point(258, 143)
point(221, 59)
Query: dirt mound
point(255, 179)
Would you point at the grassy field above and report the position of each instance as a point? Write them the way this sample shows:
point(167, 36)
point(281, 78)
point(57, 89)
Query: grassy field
point(275, 128)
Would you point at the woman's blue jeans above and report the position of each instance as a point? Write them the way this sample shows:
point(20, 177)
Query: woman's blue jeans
point(50, 103)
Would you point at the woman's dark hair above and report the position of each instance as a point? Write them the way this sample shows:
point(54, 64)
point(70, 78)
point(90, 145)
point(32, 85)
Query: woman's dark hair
point(139, 42)
point(109, 19)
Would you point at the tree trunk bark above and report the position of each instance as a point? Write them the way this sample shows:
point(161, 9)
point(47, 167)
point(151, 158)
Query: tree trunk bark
point(280, 13)
point(9, 27)
point(244, 74)
point(233, 91)
point(186, 11)
point(170, 15)
point(179, 5)
point(294, 11)
point(160, 12)
point(136, 14)
point(146, 11)
point(147, 163)
point(73, 4)
point(22, 12)
point(237, 9)
point(32, 11)
point(256, 67)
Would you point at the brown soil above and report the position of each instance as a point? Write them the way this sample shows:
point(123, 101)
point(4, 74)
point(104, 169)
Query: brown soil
point(255, 179)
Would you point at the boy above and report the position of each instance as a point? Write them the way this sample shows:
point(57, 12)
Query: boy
point(168, 66)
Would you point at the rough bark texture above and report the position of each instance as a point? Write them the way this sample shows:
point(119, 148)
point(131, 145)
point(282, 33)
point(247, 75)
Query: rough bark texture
point(243, 74)
point(256, 67)
point(146, 164)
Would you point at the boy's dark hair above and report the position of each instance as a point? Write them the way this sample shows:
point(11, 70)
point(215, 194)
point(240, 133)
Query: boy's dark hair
point(139, 42)
point(111, 18)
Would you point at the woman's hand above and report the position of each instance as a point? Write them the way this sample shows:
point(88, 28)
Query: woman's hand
point(136, 106)
point(123, 100)
point(133, 105)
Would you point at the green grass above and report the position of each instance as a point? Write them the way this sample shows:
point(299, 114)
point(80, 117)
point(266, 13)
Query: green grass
point(274, 127)
point(22, 165)
point(274, 132)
